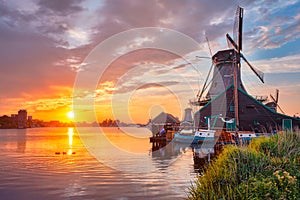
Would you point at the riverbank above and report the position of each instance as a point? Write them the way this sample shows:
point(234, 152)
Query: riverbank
point(269, 168)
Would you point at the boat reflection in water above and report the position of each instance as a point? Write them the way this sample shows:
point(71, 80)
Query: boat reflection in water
point(203, 154)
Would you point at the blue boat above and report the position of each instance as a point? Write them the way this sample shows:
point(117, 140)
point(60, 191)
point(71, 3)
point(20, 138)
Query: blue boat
point(194, 136)
point(188, 134)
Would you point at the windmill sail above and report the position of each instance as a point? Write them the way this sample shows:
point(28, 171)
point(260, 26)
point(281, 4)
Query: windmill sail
point(258, 73)
point(230, 42)
point(241, 11)
point(238, 28)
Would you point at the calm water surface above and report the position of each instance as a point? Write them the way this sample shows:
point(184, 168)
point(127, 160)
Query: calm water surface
point(52, 163)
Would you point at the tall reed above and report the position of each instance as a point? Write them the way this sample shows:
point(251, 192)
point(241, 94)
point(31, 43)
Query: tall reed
point(269, 168)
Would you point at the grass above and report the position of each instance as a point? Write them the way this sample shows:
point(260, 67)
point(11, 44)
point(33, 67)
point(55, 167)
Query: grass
point(269, 168)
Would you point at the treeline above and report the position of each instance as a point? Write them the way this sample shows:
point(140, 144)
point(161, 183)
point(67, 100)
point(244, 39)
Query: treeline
point(7, 122)
point(109, 123)
point(117, 123)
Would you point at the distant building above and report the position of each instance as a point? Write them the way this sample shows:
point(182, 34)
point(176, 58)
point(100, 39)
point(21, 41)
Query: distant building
point(187, 115)
point(29, 122)
point(22, 119)
point(14, 121)
point(164, 120)
point(14, 117)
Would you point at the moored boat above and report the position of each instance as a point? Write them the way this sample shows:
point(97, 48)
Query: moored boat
point(195, 137)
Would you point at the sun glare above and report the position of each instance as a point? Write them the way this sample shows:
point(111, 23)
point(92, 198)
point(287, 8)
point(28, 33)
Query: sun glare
point(70, 114)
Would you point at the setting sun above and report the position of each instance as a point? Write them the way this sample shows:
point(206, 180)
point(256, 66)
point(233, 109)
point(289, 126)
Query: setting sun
point(70, 115)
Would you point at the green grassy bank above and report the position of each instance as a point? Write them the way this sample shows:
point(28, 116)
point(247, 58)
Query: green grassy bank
point(269, 168)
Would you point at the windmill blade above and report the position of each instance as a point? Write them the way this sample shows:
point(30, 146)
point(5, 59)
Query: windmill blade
point(276, 102)
point(209, 46)
point(235, 26)
point(199, 95)
point(277, 96)
point(206, 57)
point(258, 73)
point(240, 33)
point(231, 42)
point(238, 28)
point(280, 109)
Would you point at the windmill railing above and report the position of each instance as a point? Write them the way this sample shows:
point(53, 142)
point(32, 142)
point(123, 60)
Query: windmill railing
point(223, 62)
point(200, 102)
point(261, 98)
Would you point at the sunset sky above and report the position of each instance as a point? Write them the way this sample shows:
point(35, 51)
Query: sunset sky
point(46, 44)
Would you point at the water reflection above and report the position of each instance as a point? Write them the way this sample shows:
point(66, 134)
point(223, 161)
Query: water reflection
point(70, 134)
point(39, 173)
point(21, 140)
point(202, 154)
point(163, 150)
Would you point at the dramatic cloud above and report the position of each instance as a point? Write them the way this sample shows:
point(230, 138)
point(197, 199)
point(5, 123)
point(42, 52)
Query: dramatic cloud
point(44, 42)
point(272, 24)
point(279, 65)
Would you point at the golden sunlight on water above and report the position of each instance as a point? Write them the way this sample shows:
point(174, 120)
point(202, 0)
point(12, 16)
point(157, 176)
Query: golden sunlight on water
point(70, 133)
point(52, 163)
point(129, 139)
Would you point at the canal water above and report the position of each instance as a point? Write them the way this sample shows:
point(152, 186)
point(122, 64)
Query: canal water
point(55, 163)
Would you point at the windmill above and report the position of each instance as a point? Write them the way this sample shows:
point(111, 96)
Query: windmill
point(239, 44)
point(236, 53)
point(275, 102)
point(226, 87)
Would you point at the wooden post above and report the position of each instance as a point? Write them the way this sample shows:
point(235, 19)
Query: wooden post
point(235, 88)
point(276, 100)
